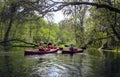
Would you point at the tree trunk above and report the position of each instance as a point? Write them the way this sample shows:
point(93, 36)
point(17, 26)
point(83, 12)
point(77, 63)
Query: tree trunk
point(1, 32)
point(12, 12)
point(8, 29)
point(113, 27)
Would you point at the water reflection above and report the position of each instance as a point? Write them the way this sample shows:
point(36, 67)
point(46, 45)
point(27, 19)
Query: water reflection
point(106, 64)
point(112, 64)
point(92, 63)
point(59, 66)
point(12, 63)
point(6, 69)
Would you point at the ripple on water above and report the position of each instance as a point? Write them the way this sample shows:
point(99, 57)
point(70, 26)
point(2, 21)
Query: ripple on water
point(55, 68)
point(45, 56)
point(55, 65)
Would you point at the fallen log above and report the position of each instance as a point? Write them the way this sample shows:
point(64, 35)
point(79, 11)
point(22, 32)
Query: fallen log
point(16, 40)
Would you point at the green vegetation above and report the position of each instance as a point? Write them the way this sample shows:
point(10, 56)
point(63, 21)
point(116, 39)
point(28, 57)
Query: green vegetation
point(22, 23)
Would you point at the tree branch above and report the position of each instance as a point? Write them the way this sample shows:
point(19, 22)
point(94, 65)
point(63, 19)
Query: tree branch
point(43, 7)
point(61, 5)
point(18, 40)
point(97, 5)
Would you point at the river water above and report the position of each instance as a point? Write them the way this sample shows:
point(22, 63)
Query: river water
point(91, 63)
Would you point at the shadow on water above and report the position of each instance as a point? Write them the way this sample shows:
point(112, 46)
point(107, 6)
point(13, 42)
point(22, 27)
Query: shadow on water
point(101, 64)
point(112, 64)
point(12, 63)
point(92, 63)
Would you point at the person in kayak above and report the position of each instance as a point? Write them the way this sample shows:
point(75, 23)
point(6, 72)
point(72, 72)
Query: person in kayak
point(49, 46)
point(71, 48)
point(40, 47)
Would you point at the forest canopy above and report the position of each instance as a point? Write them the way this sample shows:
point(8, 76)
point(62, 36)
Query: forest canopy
point(84, 25)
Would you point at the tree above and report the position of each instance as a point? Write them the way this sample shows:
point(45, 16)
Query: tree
point(22, 11)
point(101, 21)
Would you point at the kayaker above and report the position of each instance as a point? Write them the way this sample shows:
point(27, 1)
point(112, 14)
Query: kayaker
point(54, 46)
point(71, 47)
point(50, 45)
point(40, 47)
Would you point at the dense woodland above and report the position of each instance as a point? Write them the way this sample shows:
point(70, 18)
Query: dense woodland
point(88, 23)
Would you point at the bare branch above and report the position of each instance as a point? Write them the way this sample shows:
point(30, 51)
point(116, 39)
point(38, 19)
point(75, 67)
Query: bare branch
point(56, 6)
point(96, 5)
point(45, 6)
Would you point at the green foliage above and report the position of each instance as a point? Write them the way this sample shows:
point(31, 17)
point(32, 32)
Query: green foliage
point(100, 21)
point(66, 33)
point(84, 24)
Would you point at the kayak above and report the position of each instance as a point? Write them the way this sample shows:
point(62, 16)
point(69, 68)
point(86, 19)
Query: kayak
point(72, 52)
point(33, 52)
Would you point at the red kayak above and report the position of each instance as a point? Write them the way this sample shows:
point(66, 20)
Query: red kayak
point(32, 52)
point(72, 52)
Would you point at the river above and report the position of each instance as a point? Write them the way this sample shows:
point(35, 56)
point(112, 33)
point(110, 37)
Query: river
point(91, 63)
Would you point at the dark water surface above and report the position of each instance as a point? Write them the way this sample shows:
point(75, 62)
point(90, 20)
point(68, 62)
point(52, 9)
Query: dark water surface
point(92, 63)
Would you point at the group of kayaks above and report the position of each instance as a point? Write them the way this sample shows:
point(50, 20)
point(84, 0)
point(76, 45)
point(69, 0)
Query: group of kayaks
point(33, 52)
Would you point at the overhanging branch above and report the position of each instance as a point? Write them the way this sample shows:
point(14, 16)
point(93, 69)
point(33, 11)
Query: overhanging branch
point(43, 7)
point(97, 5)
point(60, 5)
